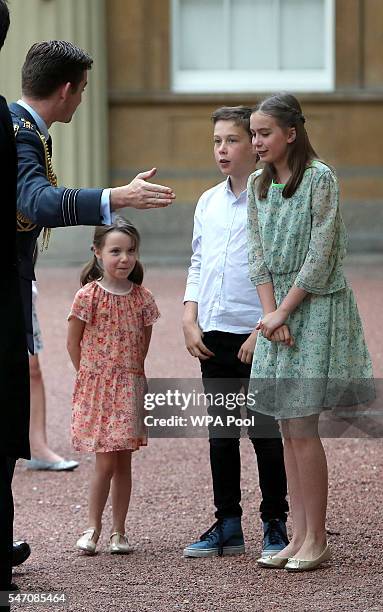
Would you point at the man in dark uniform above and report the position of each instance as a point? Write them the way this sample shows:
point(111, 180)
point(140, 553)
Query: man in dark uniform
point(14, 371)
point(54, 77)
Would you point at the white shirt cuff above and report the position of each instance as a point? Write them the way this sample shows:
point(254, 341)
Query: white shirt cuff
point(191, 294)
point(107, 216)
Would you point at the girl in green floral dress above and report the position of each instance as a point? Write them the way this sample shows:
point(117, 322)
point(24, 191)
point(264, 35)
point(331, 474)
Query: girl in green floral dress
point(310, 353)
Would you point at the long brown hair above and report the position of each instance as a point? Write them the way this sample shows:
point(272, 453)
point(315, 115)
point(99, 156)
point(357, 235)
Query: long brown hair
point(287, 112)
point(93, 271)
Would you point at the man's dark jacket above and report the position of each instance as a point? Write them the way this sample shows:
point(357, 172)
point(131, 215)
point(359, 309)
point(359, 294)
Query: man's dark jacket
point(41, 203)
point(14, 370)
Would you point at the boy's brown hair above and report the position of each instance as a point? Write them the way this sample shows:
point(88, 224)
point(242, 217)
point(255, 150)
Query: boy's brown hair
point(240, 115)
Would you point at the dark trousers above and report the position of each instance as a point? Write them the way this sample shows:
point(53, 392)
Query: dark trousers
point(7, 466)
point(225, 374)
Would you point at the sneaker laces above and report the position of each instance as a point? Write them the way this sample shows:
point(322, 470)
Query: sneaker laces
point(274, 532)
point(211, 534)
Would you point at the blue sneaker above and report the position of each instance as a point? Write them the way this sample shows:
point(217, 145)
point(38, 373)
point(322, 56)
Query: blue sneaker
point(225, 537)
point(274, 537)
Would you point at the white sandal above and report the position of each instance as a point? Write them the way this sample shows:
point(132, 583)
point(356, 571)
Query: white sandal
point(118, 544)
point(88, 541)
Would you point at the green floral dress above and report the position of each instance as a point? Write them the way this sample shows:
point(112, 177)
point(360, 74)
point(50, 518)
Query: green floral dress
point(301, 241)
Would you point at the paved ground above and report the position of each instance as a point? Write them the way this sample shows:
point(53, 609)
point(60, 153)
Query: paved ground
point(172, 503)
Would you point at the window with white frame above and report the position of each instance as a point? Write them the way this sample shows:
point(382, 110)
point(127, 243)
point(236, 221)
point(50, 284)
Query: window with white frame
point(252, 45)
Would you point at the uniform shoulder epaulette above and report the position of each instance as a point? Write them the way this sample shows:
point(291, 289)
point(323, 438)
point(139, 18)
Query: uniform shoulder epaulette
point(27, 124)
point(21, 123)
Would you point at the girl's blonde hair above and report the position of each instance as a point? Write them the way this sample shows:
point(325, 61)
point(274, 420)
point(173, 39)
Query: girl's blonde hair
point(287, 112)
point(93, 271)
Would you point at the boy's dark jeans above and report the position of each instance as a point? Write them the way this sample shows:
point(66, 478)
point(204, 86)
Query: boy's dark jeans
point(224, 451)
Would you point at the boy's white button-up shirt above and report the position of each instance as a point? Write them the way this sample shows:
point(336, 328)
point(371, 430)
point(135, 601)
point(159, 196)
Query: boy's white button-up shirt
point(218, 277)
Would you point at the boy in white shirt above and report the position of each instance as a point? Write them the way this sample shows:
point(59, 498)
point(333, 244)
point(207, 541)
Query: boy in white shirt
point(221, 312)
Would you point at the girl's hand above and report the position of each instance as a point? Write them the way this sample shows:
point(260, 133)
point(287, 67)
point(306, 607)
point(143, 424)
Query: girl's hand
point(75, 332)
point(282, 334)
point(246, 351)
point(271, 321)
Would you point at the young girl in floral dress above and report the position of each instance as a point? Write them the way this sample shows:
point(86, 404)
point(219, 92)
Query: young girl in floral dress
point(310, 353)
point(110, 326)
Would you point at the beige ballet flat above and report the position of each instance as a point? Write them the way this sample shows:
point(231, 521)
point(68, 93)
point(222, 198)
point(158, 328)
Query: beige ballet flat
point(88, 541)
point(118, 544)
point(301, 565)
point(272, 562)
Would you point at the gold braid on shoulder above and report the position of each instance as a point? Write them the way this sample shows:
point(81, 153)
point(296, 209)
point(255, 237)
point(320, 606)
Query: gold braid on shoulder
point(23, 223)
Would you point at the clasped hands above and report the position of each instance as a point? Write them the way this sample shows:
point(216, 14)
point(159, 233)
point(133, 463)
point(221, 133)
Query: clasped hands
point(273, 327)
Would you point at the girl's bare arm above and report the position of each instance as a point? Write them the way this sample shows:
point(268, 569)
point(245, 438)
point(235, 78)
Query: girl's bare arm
point(273, 322)
point(266, 296)
point(74, 337)
point(147, 337)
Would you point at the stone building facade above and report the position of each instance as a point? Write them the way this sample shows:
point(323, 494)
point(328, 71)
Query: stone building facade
point(163, 66)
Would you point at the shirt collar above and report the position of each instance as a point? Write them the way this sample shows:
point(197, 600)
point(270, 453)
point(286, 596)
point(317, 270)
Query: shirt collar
point(230, 191)
point(39, 120)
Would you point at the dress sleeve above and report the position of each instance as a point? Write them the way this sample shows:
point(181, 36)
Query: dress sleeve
point(325, 239)
point(149, 310)
point(82, 306)
point(258, 271)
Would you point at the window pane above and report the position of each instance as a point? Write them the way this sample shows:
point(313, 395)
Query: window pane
point(201, 36)
point(302, 34)
point(253, 34)
point(253, 45)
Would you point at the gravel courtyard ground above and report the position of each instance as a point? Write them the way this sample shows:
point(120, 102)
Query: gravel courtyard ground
point(172, 499)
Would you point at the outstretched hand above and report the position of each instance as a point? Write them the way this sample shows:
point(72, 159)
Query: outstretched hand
point(139, 193)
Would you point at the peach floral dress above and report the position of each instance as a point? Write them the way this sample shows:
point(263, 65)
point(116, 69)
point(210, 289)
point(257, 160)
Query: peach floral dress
point(110, 384)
